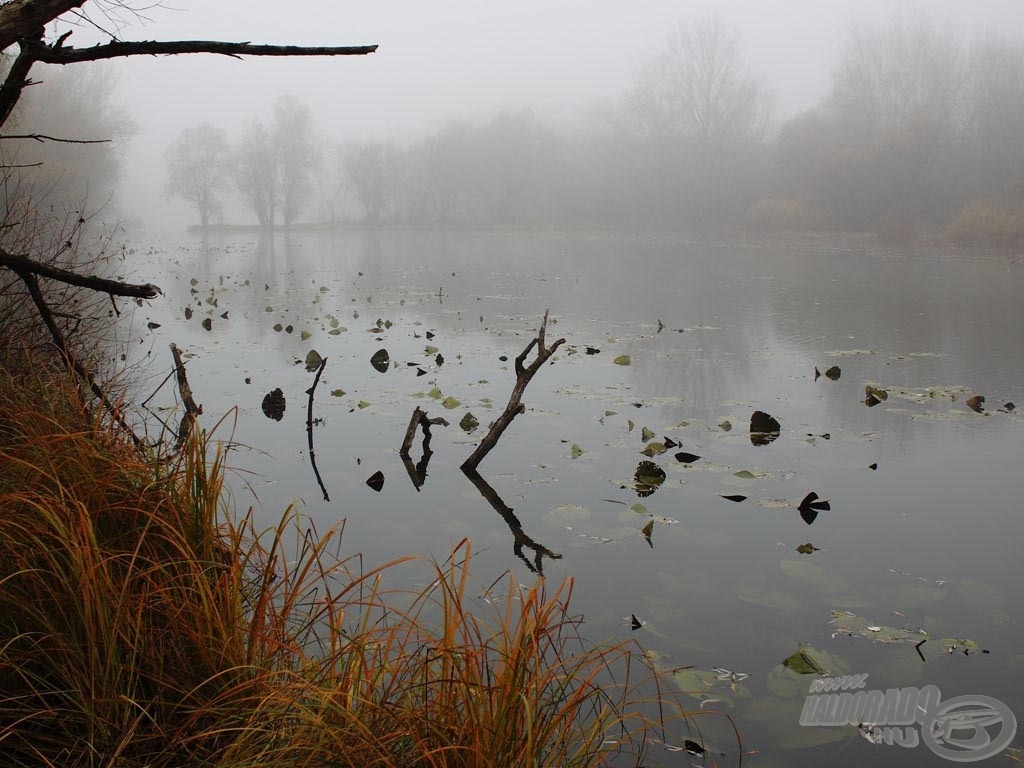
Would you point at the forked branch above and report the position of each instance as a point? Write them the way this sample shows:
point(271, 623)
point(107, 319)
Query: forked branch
point(524, 373)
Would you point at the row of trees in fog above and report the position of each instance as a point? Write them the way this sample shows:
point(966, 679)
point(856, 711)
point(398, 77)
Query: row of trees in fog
point(916, 128)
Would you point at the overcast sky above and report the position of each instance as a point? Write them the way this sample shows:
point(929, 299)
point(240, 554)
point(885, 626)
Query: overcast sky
point(467, 58)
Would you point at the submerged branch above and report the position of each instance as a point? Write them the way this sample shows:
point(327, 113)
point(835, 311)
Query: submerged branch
point(418, 472)
point(309, 428)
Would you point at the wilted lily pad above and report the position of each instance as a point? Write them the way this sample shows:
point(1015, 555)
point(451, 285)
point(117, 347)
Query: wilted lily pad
point(686, 458)
point(764, 429)
point(274, 405)
point(469, 423)
point(313, 360)
point(653, 449)
point(976, 403)
point(381, 361)
point(833, 373)
point(769, 598)
point(648, 478)
point(811, 506)
point(805, 660)
point(806, 549)
point(376, 481)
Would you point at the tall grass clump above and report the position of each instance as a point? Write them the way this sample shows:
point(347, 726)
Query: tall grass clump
point(143, 624)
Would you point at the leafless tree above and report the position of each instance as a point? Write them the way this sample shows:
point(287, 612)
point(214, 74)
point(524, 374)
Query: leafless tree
point(197, 165)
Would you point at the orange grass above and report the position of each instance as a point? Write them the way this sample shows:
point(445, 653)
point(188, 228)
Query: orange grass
point(142, 624)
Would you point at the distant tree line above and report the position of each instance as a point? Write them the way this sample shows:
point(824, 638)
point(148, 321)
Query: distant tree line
point(919, 131)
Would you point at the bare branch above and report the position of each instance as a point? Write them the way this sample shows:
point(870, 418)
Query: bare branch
point(309, 428)
point(23, 264)
point(71, 55)
point(19, 16)
point(41, 137)
point(524, 373)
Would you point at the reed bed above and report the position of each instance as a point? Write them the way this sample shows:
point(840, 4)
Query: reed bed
point(144, 623)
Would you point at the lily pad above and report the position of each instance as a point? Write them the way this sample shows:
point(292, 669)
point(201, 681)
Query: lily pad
point(450, 403)
point(653, 449)
point(646, 434)
point(648, 478)
point(469, 423)
point(769, 598)
point(337, 393)
point(381, 361)
point(976, 403)
point(764, 429)
point(313, 360)
point(833, 373)
point(736, 497)
point(814, 575)
point(686, 458)
point(274, 404)
point(376, 481)
point(805, 661)
point(576, 451)
point(622, 360)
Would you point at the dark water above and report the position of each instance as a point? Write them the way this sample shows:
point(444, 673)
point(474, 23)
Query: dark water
point(929, 540)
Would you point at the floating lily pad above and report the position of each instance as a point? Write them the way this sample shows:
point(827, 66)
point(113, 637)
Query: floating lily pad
point(376, 481)
point(769, 598)
point(648, 478)
point(717, 685)
point(305, 335)
point(576, 451)
point(622, 360)
point(976, 403)
point(647, 530)
point(736, 497)
point(381, 361)
point(274, 404)
point(469, 423)
point(313, 360)
point(805, 661)
point(833, 373)
point(686, 458)
point(337, 393)
point(208, 324)
point(725, 426)
point(814, 575)
point(566, 513)
point(806, 549)
point(811, 506)
point(646, 434)
point(653, 449)
point(450, 403)
point(764, 429)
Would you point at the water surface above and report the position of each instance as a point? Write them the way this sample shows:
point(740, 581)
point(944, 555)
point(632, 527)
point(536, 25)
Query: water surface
point(928, 540)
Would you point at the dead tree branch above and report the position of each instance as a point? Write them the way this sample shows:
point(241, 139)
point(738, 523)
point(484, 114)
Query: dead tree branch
point(69, 357)
point(25, 265)
point(418, 472)
point(309, 428)
point(524, 373)
point(192, 410)
point(41, 137)
point(118, 49)
point(19, 16)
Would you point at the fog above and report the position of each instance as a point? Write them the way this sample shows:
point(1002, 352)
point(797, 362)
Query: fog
point(567, 62)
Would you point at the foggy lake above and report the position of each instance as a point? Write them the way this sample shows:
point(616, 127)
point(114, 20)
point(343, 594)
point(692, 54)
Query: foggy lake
point(671, 346)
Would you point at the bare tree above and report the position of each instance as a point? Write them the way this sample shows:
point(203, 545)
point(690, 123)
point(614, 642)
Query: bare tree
point(197, 164)
point(256, 171)
point(699, 107)
point(296, 153)
point(372, 169)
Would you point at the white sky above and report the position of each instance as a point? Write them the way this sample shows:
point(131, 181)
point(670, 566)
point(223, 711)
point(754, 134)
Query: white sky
point(467, 58)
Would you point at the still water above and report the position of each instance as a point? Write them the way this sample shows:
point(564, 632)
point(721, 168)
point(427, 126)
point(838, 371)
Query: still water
point(924, 529)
